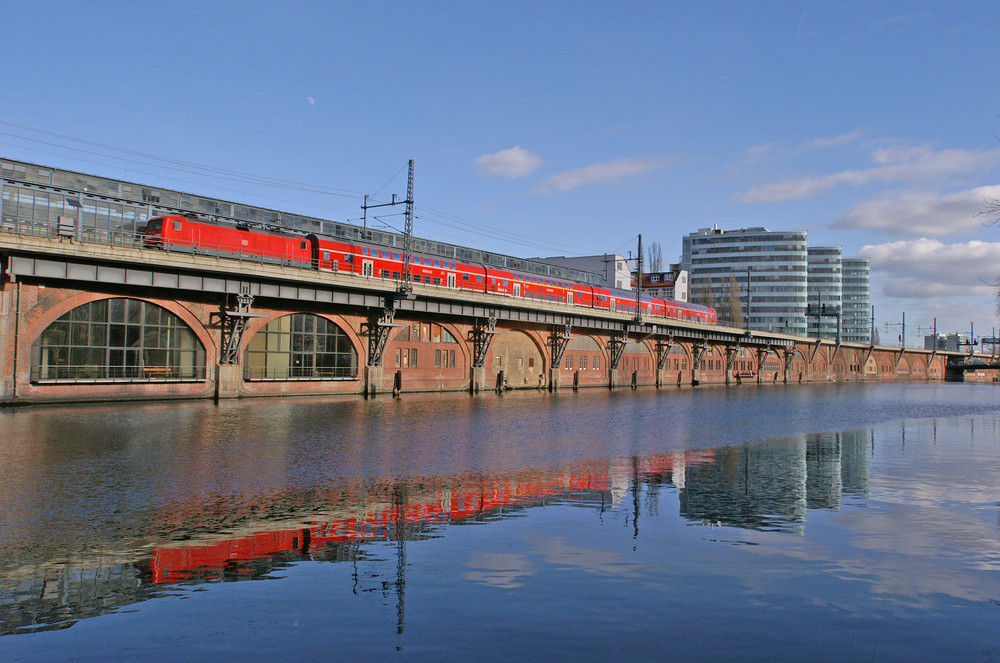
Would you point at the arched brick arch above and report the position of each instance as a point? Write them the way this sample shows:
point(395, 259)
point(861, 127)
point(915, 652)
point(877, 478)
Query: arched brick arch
point(798, 369)
point(520, 355)
point(819, 367)
point(637, 358)
point(771, 366)
point(96, 344)
point(584, 361)
point(713, 365)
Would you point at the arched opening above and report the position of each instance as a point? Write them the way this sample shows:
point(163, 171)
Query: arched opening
point(518, 357)
point(713, 365)
point(637, 359)
point(117, 339)
point(300, 346)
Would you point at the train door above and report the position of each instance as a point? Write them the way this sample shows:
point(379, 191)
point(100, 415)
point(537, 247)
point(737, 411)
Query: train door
point(517, 289)
point(452, 281)
point(569, 296)
point(367, 267)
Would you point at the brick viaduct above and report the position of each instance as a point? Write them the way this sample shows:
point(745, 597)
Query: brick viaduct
point(435, 340)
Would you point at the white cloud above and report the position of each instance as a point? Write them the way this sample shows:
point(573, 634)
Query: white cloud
point(310, 101)
point(927, 280)
point(515, 162)
point(843, 139)
point(757, 153)
point(893, 164)
point(600, 173)
point(924, 268)
point(921, 213)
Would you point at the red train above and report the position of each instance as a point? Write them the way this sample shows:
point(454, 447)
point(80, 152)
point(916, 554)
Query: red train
point(180, 233)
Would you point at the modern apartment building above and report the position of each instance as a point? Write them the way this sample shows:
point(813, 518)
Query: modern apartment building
point(825, 291)
point(721, 264)
point(856, 321)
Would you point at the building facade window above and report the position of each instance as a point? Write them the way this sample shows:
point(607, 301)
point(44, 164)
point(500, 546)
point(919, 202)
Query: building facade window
point(118, 339)
point(300, 346)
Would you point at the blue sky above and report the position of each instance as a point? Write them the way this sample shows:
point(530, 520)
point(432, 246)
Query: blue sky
point(550, 128)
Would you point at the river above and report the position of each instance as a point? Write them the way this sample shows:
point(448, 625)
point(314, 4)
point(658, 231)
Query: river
point(821, 522)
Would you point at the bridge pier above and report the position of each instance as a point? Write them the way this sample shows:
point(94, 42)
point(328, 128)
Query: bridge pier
point(373, 380)
point(8, 336)
point(228, 378)
point(554, 381)
point(477, 379)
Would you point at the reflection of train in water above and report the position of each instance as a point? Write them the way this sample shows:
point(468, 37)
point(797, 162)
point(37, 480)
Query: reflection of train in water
point(179, 233)
point(403, 512)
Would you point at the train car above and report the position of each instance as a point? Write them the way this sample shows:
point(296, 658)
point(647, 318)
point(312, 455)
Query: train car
point(181, 233)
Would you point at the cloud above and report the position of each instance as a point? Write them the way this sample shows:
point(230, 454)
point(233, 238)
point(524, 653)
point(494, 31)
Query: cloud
point(927, 268)
point(892, 164)
point(921, 213)
point(515, 162)
point(600, 173)
point(757, 153)
point(843, 139)
point(310, 101)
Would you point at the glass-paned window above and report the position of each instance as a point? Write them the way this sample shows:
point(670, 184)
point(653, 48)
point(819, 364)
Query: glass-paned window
point(300, 346)
point(118, 339)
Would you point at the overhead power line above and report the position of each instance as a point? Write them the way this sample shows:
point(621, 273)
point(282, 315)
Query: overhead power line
point(128, 156)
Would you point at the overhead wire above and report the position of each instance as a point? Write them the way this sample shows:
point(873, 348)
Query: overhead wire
point(431, 215)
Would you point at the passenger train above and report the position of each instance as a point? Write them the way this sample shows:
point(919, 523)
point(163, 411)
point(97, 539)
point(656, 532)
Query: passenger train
point(181, 233)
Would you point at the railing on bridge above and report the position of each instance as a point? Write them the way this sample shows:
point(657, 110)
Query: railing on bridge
point(89, 373)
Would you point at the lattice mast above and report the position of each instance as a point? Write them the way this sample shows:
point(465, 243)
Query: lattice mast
point(406, 285)
point(638, 283)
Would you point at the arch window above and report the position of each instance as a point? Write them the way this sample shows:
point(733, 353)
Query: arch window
point(300, 346)
point(118, 339)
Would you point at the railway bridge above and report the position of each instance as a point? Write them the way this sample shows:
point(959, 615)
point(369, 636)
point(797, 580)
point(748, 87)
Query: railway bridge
point(110, 321)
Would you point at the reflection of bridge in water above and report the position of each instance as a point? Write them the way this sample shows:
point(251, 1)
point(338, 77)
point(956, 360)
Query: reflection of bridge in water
point(769, 486)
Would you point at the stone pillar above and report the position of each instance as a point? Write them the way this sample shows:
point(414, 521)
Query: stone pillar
point(554, 381)
point(477, 380)
point(228, 378)
point(613, 378)
point(373, 380)
point(8, 295)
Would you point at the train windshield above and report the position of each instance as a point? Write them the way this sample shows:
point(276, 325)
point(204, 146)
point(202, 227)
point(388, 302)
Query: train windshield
point(154, 226)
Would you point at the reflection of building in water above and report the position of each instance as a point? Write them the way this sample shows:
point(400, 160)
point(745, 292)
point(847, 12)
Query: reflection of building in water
point(823, 466)
point(761, 487)
point(58, 595)
point(855, 455)
point(771, 486)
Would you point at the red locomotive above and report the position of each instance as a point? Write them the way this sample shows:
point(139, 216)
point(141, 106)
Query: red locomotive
point(179, 233)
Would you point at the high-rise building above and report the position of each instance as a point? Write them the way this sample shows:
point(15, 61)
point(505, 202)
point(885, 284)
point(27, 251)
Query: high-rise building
point(825, 294)
point(856, 320)
point(721, 264)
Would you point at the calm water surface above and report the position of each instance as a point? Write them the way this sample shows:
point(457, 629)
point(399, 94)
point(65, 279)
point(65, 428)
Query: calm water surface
point(840, 523)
